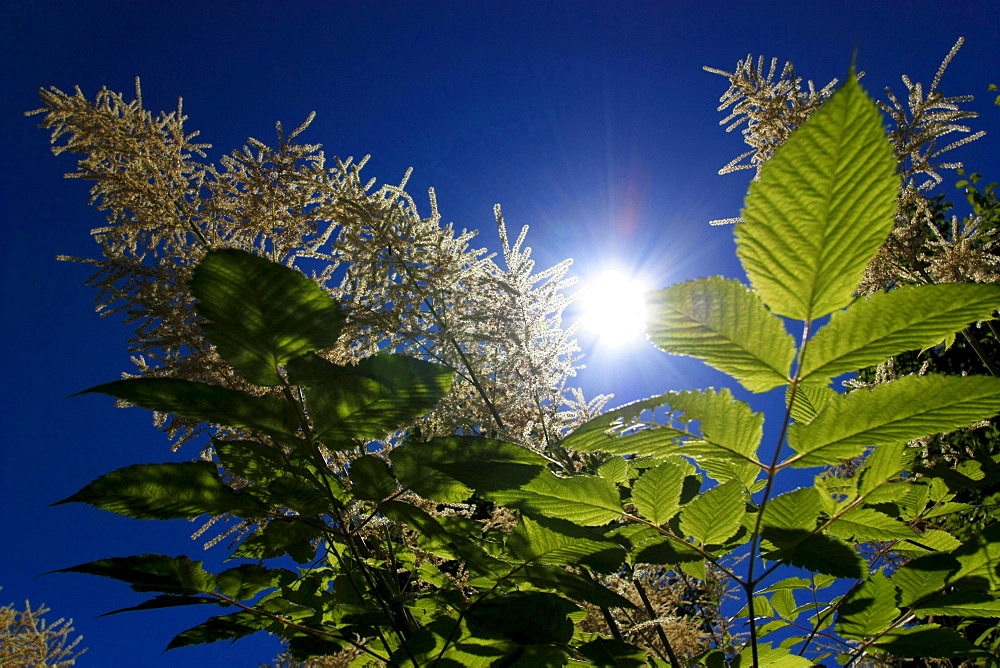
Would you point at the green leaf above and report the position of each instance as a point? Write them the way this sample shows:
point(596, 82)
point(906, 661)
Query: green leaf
point(900, 411)
point(371, 479)
point(206, 403)
point(166, 491)
point(251, 460)
point(932, 540)
point(559, 543)
point(730, 430)
point(783, 603)
point(868, 610)
point(571, 585)
point(448, 643)
point(657, 494)
point(665, 551)
point(607, 652)
point(819, 553)
point(152, 572)
point(881, 466)
point(527, 618)
point(305, 496)
point(603, 433)
point(247, 580)
point(716, 515)
point(960, 604)
point(616, 470)
point(929, 641)
point(224, 627)
point(262, 314)
point(862, 525)
point(798, 509)
point(809, 400)
point(822, 207)
point(447, 468)
point(585, 500)
point(370, 399)
point(722, 322)
point(923, 576)
point(888, 323)
point(166, 601)
point(283, 535)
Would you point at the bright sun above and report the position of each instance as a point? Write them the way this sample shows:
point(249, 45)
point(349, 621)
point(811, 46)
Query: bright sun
point(612, 308)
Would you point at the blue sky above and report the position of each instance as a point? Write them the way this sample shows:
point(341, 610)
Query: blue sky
point(591, 122)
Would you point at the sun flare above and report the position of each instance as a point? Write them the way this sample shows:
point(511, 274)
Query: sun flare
point(612, 308)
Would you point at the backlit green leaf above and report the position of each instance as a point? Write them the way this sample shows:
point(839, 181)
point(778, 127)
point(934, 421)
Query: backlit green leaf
point(881, 466)
point(585, 500)
point(798, 509)
point(861, 525)
point(870, 609)
point(371, 479)
point(900, 411)
point(206, 403)
point(604, 432)
point(448, 468)
point(729, 428)
point(931, 540)
point(715, 515)
point(722, 322)
point(657, 494)
point(809, 399)
point(560, 543)
point(262, 314)
point(166, 491)
point(960, 604)
point(369, 399)
point(923, 576)
point(888, 323)
point(821, 208)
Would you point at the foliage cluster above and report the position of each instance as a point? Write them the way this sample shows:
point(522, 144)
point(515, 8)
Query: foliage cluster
point(442, 507)
point(478, 546)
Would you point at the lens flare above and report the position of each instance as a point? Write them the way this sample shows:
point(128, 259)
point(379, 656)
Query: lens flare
point(612, 308)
